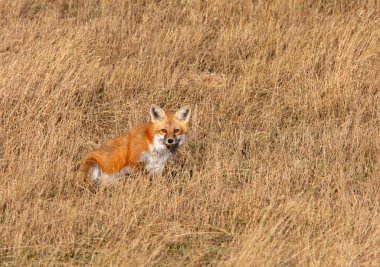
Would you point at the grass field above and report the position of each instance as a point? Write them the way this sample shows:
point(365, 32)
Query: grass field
point(281, 165)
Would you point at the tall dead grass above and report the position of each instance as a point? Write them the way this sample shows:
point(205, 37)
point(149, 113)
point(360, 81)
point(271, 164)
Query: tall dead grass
point(281, 167)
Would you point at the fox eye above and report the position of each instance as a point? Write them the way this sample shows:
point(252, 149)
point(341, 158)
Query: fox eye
point(176, 130)
point(163, 131)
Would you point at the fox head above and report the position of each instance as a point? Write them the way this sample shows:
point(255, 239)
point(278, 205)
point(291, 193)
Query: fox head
point(170, 128)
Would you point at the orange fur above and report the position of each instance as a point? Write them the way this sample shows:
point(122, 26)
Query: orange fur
point(127, 150)
point(121, 151)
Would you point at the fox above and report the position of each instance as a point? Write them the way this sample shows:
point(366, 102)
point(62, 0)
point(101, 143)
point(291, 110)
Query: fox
point(145, 147)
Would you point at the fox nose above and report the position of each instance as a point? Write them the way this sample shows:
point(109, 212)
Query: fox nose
point(170, 141)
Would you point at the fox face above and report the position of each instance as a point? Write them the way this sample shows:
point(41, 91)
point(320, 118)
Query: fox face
point(170, 128)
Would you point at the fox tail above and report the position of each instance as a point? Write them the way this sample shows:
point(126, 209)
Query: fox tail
point(90, 161)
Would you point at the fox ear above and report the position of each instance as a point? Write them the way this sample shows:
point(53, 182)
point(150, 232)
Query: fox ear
point(183, 114)
point(156, 113)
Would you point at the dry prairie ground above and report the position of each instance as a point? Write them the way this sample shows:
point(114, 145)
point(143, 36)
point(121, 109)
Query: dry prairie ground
point(281, 167)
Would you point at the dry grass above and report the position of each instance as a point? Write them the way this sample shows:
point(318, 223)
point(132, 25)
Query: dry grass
point(281, 167)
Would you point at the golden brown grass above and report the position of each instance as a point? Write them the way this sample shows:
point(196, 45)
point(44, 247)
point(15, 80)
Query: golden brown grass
point(281, 167)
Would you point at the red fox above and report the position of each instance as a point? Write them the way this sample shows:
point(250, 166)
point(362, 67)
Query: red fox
point(147, 146)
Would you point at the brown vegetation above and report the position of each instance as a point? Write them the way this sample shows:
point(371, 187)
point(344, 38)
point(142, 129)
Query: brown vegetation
point(281, 166)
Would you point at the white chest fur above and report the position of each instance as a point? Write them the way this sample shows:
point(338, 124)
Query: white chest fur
point(155, 159)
